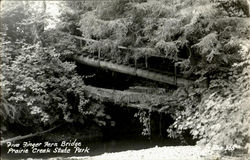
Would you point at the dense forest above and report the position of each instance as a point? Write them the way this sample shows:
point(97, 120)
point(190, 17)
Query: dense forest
point(206, 39)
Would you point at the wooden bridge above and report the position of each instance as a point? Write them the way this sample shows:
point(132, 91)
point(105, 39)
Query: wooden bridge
point(169, 78)
point(130, 69)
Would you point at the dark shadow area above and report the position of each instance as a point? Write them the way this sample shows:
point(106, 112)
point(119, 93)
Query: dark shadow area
point(112, 80)
point(124, 135)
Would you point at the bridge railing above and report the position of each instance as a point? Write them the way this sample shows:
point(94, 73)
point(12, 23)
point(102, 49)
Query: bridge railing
point(146, 65)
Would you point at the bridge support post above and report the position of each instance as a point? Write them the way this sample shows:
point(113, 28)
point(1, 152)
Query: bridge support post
point(135, 62)
point(99, 55)
point(175, 73)
point(80, 43)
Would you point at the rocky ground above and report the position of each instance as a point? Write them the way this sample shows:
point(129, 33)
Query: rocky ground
point(160, 153)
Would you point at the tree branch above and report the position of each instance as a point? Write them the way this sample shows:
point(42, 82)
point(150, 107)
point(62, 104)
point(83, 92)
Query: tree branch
point(28, 136)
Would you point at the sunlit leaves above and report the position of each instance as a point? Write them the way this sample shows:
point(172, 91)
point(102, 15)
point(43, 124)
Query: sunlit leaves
point(209, 46)
point(144, 118)
point(170, 49)
point(38, 80)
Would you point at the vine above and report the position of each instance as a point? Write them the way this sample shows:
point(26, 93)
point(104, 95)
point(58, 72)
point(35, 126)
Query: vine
point(145, 119)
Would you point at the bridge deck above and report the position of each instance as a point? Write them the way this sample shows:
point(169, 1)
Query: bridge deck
point(131, 70)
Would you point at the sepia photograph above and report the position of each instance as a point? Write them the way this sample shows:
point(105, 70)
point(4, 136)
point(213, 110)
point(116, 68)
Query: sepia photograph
point(125, 80)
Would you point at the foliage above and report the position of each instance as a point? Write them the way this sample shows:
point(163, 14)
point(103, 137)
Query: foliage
point(38, 87)
point(144, 118)
point(11, 18)
point(70, 15)
point(41, 88)
point(211, 34)
point(237, 8)
point(170, 29)
point(219, 115)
